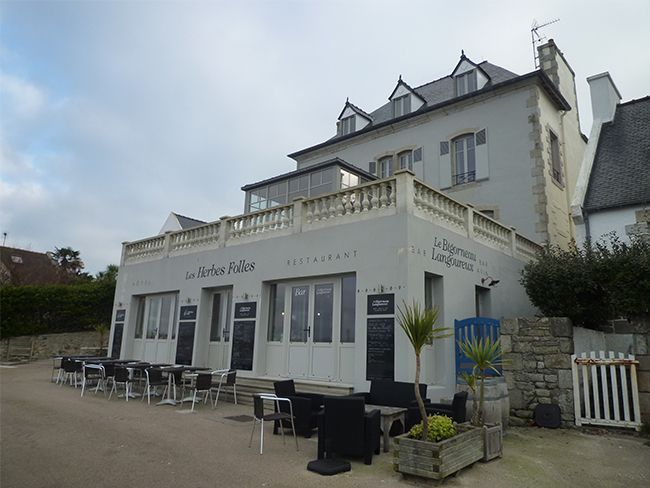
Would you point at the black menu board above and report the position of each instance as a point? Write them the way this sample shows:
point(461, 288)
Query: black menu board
point(380, 354)
point(120, 315)
point(185, 344)
point(245, 310)
point(188, 312)
point(243, 342)
point(383, 304)
point(117, 340)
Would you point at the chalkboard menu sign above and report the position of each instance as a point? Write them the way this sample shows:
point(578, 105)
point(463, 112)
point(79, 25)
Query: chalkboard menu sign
point(243, 341)
point(188, 312)
point(120, 315)
point(245, 310)
point(185, 344)
point(380, 358)
point(118, 329)
point(383, 304)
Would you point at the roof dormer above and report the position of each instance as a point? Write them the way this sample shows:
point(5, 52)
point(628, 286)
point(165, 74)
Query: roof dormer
point(468, 76)
point(404, 99)
point(351, 119)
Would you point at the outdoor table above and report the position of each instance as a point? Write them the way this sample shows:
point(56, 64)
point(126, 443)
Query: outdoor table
point(170, 379)
point(388, 416)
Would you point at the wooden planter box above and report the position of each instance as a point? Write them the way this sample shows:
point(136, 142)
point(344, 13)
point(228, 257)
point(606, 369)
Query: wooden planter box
point(492, 442)
point(438, 460)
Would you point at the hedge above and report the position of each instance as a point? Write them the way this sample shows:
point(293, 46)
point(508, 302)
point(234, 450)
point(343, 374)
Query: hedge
point(46, 309)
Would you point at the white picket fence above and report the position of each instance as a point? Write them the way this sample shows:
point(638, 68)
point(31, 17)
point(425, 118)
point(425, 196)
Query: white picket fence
point(605, 390)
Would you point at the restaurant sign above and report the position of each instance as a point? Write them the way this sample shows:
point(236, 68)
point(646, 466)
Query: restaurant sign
point(446, 252)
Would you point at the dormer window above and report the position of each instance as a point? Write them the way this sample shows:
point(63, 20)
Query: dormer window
point(401, 105)
point(466, 83)
point(347, 125)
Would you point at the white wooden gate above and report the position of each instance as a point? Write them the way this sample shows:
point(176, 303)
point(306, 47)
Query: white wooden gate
point(605, 390)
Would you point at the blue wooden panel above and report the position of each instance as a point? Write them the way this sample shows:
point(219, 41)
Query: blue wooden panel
point(470, 328)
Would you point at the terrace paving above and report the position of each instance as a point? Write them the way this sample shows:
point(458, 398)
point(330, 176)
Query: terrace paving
point(50, 437)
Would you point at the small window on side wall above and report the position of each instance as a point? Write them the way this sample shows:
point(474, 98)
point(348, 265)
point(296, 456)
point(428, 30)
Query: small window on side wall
point(556, 161)
point(405, 159)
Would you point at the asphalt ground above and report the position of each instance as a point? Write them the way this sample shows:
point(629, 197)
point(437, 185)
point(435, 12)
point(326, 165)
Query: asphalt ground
point(50, 437)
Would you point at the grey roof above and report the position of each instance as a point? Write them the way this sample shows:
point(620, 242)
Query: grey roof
point(441, 93)
point(188, 222)
point(620, 175)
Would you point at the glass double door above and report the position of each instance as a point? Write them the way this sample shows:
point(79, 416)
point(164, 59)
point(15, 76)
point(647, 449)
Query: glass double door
point(220, 309)
point(159, 312)
point(313, 328)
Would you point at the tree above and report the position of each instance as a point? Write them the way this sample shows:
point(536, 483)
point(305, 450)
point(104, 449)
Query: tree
point(109, 275)
point(419, 327)
point(592, 283)
point(68, 260)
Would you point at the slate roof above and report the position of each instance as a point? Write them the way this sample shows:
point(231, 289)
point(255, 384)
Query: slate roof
point(188, 222)
point(442, 92)
point(620, 175)
point(22, 267)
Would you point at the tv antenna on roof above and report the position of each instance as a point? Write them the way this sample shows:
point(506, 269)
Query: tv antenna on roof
point(536, 38)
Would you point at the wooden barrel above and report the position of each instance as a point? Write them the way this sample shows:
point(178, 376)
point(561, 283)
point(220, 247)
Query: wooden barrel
point(496, 402)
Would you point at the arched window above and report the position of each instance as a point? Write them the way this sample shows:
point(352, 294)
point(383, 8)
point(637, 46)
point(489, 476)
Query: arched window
point(386, 167)
point(464, 159)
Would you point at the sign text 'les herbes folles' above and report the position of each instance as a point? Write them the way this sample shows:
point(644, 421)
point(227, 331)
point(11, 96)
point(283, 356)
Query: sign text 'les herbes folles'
point(233, 267)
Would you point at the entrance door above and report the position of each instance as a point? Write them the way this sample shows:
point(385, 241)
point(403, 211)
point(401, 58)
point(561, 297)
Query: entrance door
point(313, 329)
point(159, 315)
point(219, 348)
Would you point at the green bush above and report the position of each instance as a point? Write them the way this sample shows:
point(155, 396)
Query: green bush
point(592, 283)
point(43, 309)
point(439, 429)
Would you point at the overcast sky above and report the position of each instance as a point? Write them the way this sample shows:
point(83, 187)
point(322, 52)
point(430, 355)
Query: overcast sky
point(113, 114)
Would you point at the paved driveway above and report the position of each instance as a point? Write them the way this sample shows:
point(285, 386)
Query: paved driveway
point(50, 437)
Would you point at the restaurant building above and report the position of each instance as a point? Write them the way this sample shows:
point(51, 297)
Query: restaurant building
point(307, 283)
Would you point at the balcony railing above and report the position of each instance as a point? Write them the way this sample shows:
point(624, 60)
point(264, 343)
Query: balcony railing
point(401, 193)
point(460, 178)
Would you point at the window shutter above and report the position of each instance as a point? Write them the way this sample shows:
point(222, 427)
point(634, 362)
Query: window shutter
point(445, 170)
point(372, 167)
point(417, 154)
point(444, 148)
point(339, 128)
point(353, 123)
point(481, 148)
point(407, 105)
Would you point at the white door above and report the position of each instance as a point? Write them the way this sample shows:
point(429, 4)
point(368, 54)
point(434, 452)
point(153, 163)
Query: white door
point(220, 326)
point(159, 315)
point(313, 329)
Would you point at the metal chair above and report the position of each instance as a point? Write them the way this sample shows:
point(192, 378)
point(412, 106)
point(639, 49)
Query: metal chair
point(227, 379)
point(70, 370)
point(91, 373)
point(154, 378)
point(202, 383)
point(121, 377)
point(260, 416)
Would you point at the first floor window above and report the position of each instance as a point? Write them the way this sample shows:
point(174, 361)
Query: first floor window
point(156, 316)
point(386, 167)
point(405, 160)
point(556, 163)
point(464, 159)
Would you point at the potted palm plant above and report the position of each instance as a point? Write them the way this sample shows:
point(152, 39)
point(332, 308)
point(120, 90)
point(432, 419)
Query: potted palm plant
point(485, 353)
point(434, 448)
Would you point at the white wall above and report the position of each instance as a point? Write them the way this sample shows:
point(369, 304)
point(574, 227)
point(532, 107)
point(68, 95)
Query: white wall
point(600, 223)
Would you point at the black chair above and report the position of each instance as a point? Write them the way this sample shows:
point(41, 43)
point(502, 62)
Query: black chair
point(121, 377)
point(71, 370)
point(345, 429)
point(92, 373)
point(108, 375)
point(227, 378)
point(277, 416)
point(306, 407)
point(154, 379)
point(202, 384)
point(456, 411)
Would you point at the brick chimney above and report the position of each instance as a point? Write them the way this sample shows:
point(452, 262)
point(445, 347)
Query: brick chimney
point(555, 65)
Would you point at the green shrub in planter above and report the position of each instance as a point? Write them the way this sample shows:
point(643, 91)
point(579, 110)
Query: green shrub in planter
point(440, 428)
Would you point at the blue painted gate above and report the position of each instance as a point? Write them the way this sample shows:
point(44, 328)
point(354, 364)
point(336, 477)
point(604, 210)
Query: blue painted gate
point(471, 327)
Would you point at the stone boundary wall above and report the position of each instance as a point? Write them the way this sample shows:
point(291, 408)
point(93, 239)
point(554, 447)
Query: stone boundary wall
point(538, 363)
point(48, 345)
point(538, 366)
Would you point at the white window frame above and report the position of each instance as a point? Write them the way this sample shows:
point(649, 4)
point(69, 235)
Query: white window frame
point(466, 83)
point(402, 105)
point(348, 125)
point(385, 167)
point(405, 159)
point(468, 165)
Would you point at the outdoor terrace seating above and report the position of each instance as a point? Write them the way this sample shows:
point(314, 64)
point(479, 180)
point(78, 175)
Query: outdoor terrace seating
point(306, 407)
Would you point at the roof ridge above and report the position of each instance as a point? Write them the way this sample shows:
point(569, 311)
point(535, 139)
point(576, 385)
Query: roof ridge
point(635, 100)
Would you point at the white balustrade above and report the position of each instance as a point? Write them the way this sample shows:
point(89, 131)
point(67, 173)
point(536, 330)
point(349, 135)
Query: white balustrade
point(145, 249)
point(491, 232)
point(440, 208)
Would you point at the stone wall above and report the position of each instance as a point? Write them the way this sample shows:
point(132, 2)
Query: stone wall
point(48, 345)
point(538, 366)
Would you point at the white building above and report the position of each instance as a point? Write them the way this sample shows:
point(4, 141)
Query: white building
point(307, 282)
point(613, 188)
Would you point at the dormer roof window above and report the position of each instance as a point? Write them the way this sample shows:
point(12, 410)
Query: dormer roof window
point(468, 76)
point(351, 119)
point(404, 99)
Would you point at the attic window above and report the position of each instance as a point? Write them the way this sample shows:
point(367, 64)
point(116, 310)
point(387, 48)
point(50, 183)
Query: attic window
point(347, 125)
point(16, 259)
point(401, 105)
point(466, 83)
